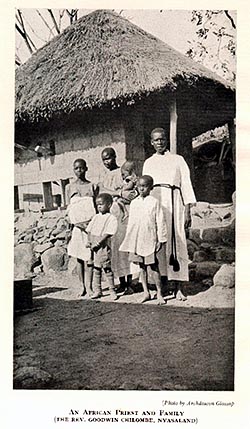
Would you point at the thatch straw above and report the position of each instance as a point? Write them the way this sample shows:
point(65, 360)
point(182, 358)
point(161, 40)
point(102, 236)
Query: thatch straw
point(102, 58)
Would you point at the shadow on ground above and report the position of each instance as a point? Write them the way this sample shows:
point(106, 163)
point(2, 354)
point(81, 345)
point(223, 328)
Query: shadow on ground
point(101, 345)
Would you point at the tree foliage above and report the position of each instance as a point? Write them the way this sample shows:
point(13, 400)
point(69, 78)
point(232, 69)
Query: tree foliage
point(215, 42)
point(29, 34)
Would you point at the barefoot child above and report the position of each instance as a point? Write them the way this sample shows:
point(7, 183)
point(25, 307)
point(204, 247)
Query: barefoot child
point(100, 230)
point(80, 197)
point(145, 234)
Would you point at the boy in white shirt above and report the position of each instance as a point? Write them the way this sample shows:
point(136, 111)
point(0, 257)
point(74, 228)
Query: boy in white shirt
point(145, 234)
point(100, 230)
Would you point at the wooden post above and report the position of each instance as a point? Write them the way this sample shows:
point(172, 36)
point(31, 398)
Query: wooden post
point(64, 182)
point(173, 126)
point(231, 129)
point(47, 195)
point(16, 198)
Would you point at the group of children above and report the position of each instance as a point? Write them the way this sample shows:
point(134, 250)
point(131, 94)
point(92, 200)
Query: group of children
point(94, 226)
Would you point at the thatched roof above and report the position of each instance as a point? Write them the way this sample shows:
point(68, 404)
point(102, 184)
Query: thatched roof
point(102, 58)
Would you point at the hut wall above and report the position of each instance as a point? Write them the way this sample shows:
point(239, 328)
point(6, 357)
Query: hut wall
point(134, 136)
point(78, 140)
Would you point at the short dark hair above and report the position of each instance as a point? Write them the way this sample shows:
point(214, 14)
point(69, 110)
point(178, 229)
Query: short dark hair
point(110, 151)
point(81, 160)
point(148, 179)
point(157, 130)
point(107, 198)
point(128, 166)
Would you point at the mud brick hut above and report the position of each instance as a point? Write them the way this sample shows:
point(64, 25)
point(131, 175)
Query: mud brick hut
point(105, 81)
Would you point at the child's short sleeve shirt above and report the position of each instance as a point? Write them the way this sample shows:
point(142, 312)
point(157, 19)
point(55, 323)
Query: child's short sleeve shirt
point(102, 224)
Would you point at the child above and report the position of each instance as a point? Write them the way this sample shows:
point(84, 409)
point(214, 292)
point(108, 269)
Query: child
point(80, 194)
point(100, 230)
point(145, 233)
point(129, 190)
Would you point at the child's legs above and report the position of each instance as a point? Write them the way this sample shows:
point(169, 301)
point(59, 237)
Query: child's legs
point(157, 280)
point(123, 282)
point(129, 279)
point(110, 280)
point(179, 291)
point(97, 276)
point(80, 272)
point(144, 281)
point(88, 277)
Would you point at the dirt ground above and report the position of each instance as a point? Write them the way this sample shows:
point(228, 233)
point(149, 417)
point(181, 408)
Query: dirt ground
point(123, 345)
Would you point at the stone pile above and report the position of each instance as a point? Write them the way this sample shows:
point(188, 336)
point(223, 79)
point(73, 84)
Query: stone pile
point(40, 243)
point(211, 244)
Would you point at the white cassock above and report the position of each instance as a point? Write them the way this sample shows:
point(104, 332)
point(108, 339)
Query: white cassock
point(172, 169)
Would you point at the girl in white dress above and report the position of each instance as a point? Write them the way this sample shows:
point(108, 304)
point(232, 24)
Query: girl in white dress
point(80, 194)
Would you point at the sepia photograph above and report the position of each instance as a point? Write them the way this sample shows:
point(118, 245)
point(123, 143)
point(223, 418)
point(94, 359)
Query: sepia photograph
point(124, 199)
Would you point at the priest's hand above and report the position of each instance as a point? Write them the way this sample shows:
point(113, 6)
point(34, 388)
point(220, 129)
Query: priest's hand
point(158, 247)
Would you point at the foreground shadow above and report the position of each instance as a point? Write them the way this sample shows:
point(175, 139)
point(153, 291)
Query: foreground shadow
point(104, 346)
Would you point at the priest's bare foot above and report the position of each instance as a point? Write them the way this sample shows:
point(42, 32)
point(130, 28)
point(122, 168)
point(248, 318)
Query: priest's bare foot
point(160, 299)
point(96, 295)
point(145, 298)
point(180, 296)
point(84, 292)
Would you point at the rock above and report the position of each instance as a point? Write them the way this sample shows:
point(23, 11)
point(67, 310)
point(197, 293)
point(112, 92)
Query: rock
point(224, 254)
point(40, 248)
point(234, 198)
point(207, 282)
point(21, 235)
point(60, 236)
point(59, 243)
point(225, 277)
point(211, 235)
point(28, 238)
point(38, 269)
point(60, 226)
point(31, 377)
point(200, 256)
point(206, 269)
point(206, 246)
point(24, 260)
point(58, 230)
point(39, 234)
point(42, 223)
point(51, 223)
point(191, 247)
point(223, 235)
point(54, 259)
point(47, 232)
point(72, 266)
point(192, 273)
point(195, 236)
point(27, 223)
point(192, 265)
point(41, 240)
point(228, 234)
